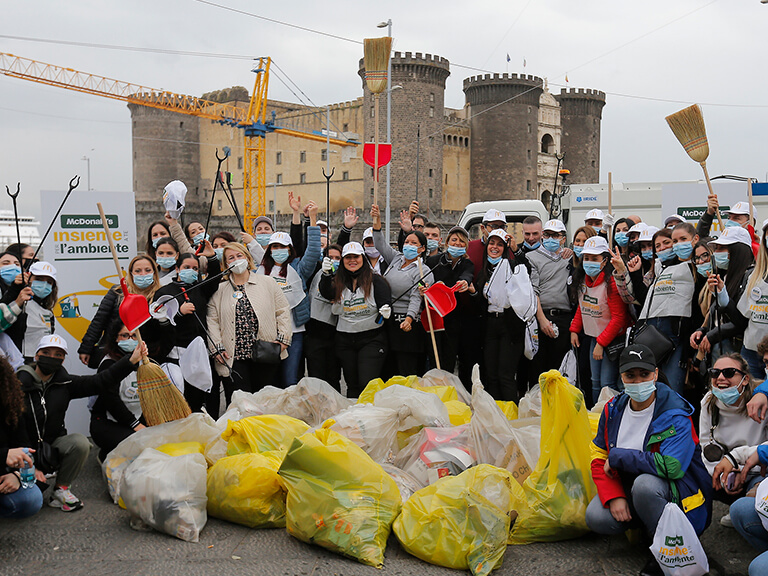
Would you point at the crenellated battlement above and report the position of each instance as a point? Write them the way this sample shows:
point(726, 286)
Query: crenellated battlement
point(586, 93)
point(528, 79)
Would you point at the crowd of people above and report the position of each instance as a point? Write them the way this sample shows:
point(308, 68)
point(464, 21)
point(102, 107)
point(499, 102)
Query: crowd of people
point(672, 317)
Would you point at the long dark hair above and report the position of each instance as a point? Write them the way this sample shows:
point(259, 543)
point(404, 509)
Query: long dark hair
point(269, 263)
point(628, 222)
point(344, 279)
point(111, 348)
point(740, 258)
point(172, 243)
point(419, 236)
point(149, 248)
point(486, 269)
point(11, 396)
point(224, 235)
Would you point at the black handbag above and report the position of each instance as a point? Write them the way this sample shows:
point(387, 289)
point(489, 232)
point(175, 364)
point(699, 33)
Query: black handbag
point(650, 336)
point(614, 349)
point(266, 352)
point(47, 458)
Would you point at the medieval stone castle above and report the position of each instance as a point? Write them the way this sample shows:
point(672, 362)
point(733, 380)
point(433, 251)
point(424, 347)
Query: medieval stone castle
point(502, 145)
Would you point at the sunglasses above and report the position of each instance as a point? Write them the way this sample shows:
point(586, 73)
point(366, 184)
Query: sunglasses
point(727, 372)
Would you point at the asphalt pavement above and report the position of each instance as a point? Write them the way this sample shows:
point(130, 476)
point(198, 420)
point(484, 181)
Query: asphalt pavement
point(99, 540)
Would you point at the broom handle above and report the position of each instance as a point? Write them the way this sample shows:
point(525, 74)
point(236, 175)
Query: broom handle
point(429, 320)
point(749, 196)
point(711, 191)
point(376, 149)
point(139, 341)
point(610, 207)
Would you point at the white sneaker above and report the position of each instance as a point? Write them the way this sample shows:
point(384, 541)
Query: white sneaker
point(726, 521)
point(64, 499)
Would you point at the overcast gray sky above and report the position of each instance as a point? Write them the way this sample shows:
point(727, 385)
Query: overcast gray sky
point(652, 58)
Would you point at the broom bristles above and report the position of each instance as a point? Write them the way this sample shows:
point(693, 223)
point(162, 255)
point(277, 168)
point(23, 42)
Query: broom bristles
point(376, 53)
point(688, 127)
point(160, 400)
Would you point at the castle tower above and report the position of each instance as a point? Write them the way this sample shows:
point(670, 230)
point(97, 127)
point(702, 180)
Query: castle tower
point(165, 147)
point(504, 119)
point(417, 108)
point(580, 114)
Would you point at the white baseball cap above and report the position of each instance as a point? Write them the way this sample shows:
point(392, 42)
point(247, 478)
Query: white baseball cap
point(500, 234)
point(43, 269)
point(596, 245)
point(368, 233)
point(673, 217)
point(594, 214)
point(494, 215)
point(733, 235)
point(52, 341)
point(352, 248)
point(554, 226)
point(282, 238)
point(741, 208)
point(322, 223)
point(646, 235)
point(637, 228)
point(765, 223)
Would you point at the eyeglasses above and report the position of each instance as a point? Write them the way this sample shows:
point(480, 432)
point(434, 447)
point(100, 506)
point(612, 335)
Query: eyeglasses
point(701, 259)
point(727, 372)
point(126, 336)
point(418, 226)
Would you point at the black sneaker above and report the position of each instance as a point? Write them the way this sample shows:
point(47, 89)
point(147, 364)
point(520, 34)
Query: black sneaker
point(652, 568)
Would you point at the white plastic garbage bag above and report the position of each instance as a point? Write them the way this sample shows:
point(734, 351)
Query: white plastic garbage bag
point(531, 339)
point(676, 546)
point(174, 197)
point(437, 452)
point(373, 428)
point(414, 407)
point(521, 294)
point(437, 377)
point(530, 404)
point(312, 400)
point(408, 484)
point(569, 367)
point(168, 492)
point(195, 366)
point(761, 503)
point(10, 352)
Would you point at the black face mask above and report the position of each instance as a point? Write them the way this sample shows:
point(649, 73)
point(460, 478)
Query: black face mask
point(49, 365)
point(356, 273)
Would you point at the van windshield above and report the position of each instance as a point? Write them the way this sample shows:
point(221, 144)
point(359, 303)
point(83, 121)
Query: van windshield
point(514, 227)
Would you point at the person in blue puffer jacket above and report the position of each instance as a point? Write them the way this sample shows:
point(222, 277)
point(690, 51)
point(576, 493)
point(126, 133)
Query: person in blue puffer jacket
point(293, 274)
point(646, 454)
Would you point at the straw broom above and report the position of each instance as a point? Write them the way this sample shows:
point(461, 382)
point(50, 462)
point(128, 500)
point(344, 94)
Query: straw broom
point(688, 127)
point(160, 400)
point(376, 53)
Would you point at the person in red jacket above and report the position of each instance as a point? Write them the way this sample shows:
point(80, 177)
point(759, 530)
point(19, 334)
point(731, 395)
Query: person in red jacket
point(601, 315)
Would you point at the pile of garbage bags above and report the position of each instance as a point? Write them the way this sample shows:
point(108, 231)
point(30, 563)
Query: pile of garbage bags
point(456, 476)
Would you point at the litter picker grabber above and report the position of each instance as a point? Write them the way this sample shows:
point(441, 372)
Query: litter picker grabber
point(72, 186)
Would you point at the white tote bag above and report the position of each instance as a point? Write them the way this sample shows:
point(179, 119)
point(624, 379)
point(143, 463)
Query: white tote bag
point(531, 339)
point(676, 546)
point(520, 292)
point(761, 503)
point(195, 366)
point(569, 367)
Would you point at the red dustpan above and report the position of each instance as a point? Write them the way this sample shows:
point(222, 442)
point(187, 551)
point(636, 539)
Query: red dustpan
point(369, 155)
point(442, 300)
point(134, 309)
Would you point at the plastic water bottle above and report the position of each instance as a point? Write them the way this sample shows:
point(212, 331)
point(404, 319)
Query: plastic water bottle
point(27, 473)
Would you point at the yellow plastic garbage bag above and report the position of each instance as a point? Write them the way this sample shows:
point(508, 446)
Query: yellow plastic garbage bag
point(508, 408)
point(445, 393)
point(458, 412)
point(181, 448)
point(262, 433)
point(366, 396)
point(460, 522)
point(560, 487)
point(246, 489)
point(339, 498)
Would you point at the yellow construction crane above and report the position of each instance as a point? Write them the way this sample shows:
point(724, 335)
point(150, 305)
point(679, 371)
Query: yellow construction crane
point(253, 121)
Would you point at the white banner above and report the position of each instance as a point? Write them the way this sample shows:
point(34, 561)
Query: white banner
point(77, 247)
point(689, 199)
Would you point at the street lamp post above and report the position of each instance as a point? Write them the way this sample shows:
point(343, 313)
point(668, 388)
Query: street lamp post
point(274, 202)
point(388, 26)
point(88, 161)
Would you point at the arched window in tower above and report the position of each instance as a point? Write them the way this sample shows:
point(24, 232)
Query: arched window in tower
point(547, 144)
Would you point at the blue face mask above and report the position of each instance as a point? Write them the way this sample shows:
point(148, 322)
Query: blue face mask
point(454, 251)
point(597, 229)
point(665, 255)
point(722, 259)
point(592, 269)
point(532, 246)
point(551, 244)
point(166, 262)
point(9, 272)
point(731, 223)
point(280, 255)
point(143, 280)
point(494, 261)
point(621, 239)
point(188, 276)
point(410, 252)
point(41, 288)
point(683, 250)
point(432, 245)
point(127, 346)
point(198, 238)
point(156, 241)
point(263, 239)
point(219, 254)
point(578, 250)
point(728, 396)
point(640, 392)
point(647, 254)
point(702, 269)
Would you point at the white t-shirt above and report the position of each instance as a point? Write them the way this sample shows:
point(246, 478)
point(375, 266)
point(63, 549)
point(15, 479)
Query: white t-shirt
point(634, 427)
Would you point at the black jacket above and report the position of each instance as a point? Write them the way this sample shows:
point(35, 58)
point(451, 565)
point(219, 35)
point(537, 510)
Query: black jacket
point(48, 401)
point(12, 437)
point(108, 312)
point(109, 401)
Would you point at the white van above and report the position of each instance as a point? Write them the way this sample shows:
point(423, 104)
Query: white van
point(515, 210)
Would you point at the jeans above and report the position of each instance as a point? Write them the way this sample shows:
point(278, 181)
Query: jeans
point(650, 494)
point(747, 523)
point(756, 366)
point(23, 503)
point(290, 366)
point(674, 372)
point(605, 372)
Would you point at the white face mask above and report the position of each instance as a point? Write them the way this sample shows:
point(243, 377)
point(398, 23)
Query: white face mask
point(239, 266)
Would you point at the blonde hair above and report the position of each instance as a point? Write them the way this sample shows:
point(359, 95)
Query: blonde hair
point(761, 266)
point(240, 249)
point(149, 292)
